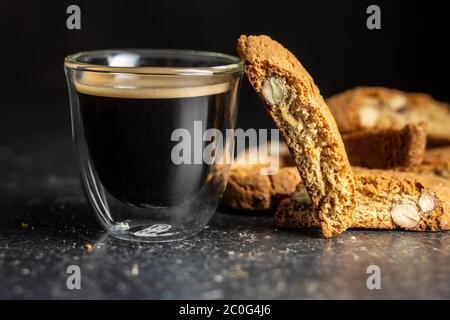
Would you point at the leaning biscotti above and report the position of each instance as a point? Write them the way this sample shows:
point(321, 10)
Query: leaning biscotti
point(385, 200)
point(364, 108)
point(299, 111)
point(387, 148)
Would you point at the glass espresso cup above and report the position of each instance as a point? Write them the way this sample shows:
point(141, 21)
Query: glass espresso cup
point(142, 123)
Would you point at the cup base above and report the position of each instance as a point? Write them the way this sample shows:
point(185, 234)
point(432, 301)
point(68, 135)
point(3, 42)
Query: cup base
point(154, 233)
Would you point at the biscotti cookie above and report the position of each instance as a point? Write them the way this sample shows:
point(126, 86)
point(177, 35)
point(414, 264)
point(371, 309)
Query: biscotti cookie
point(435, 161)
point(309, 129)
point(248, 189)
point(386, 148)
point(377, 149)
point(385, 200)
point(381, 108)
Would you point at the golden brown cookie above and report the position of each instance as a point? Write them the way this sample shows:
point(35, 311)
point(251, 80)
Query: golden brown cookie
point(377, 149)
point(385, 200)
point(248, 189)
point(309, 129)
point(381, 108)
point(435, 162)
point(386, 148)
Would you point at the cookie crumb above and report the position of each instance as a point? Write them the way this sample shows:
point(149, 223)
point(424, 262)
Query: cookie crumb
point(134, 270)
point(89, 247)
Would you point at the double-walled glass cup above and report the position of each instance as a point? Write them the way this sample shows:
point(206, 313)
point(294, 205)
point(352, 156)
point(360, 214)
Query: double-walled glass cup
point(151, 131)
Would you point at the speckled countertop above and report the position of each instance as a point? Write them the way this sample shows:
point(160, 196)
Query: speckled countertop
point(46, 225)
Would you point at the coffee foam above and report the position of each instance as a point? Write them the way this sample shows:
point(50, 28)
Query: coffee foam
point(151, 86)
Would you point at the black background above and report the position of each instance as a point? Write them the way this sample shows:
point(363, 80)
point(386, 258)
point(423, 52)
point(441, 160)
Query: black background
point(329, 37)
point(38, 172)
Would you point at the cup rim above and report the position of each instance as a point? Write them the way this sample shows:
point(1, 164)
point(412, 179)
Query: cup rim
point(73, 62)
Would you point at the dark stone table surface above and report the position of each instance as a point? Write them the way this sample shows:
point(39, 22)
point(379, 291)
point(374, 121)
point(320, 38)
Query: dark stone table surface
point(46, 225)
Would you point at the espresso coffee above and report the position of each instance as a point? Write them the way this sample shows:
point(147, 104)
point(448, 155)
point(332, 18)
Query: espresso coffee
point(128, 135)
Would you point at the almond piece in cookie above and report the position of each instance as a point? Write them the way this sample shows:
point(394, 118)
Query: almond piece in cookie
point(364, 108)
point(309, 129)
point(385, 200)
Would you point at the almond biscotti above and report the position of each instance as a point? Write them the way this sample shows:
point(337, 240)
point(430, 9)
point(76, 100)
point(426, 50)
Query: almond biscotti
point(387, 148)
point(251, 190)
point(299, 111)
point(385, 200)
point(381, 108)
point(248, 189)
point(435, 162)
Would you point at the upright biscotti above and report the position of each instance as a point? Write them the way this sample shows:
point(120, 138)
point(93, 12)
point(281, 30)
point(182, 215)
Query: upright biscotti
point(299, 111)
point(382, 108)
point(385, 200)
point(387, 148)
